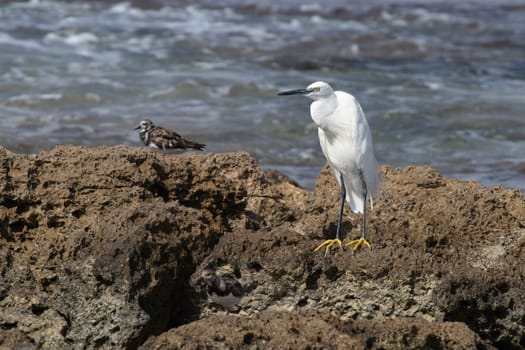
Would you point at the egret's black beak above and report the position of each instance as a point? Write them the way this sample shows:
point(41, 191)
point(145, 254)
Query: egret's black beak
point(295, 92)
point(137, 127)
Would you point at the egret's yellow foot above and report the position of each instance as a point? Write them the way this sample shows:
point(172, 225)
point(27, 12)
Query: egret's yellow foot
point(328, 244)
point(358, 243)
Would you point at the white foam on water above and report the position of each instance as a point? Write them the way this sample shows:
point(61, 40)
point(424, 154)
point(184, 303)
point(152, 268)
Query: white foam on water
point(310, 7)
point(31, 100)
point(127, 9)
point(71, 38)
point(393, 19)
point(426, 16)
point(433, 85)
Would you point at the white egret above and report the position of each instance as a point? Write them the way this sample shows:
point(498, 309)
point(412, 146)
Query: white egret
point(346, 142)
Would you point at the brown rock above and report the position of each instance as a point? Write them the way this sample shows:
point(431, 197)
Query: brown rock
point(267, 330)
point(292, 330)
point(102, 248)
point(100, 243)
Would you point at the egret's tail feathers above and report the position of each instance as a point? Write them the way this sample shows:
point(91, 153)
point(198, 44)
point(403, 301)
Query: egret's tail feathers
point(355, 201)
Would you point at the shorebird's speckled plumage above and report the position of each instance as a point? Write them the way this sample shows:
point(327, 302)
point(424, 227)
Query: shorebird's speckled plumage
point(223, 290)
point(162, 138)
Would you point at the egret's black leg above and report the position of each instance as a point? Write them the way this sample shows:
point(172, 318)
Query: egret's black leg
point(363, 239)
point(330, 242)
point(342, 207)
point(365, 195)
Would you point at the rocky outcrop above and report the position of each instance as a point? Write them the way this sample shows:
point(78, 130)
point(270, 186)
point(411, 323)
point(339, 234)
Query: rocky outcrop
point(307, 330)
point(102, 247)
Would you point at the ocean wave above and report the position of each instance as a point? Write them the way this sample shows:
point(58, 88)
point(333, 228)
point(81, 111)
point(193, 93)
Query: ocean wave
point(127, 9)
point(34, 101)
point(32, 44)
point(53, 101)
point(187, 89)
point(72, 38)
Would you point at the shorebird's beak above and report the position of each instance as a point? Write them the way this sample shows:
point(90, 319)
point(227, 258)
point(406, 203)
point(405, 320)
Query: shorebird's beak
point(295, 92)
point(137, 127)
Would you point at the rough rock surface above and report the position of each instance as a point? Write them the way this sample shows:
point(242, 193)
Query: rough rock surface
point(102, 248)
point(299, 330)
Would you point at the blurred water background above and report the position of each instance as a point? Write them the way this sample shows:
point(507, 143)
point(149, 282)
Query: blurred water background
point(442, 82)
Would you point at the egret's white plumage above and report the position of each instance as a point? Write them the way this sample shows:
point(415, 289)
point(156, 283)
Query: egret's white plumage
point(346, 142)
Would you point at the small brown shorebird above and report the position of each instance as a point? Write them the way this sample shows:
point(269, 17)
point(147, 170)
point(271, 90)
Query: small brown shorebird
point(162, 138)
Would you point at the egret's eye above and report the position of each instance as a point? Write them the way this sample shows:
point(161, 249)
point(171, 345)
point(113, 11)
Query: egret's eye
point(317, 89)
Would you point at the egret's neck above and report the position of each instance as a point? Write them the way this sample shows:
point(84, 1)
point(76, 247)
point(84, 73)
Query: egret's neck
point(322, 109)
